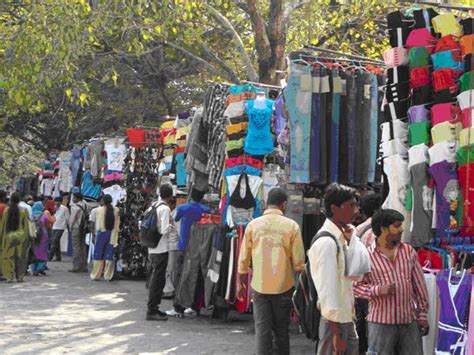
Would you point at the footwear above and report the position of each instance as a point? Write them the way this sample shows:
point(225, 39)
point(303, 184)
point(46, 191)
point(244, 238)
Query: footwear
point(20, 280)
point(168, 295)
point(57, 259)
point(173, 313)
point(42, 273)
point(189, 311)
point(156, 317)
point(36, 274)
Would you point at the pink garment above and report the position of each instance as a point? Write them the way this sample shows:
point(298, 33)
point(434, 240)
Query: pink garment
point(395, 57)
point(113, 177)
point(445, 112)
point(421, 37)
point(468, 117)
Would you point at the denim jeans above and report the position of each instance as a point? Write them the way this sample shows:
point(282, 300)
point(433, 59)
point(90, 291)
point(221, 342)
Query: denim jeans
point(348, 334)
point(298, 104)
point(55, 244)
point(351, 124)
point(315, 154)
point(272, 317)
point(362, 126)
point(374, 113)
point(335, 117)
point(391, 339)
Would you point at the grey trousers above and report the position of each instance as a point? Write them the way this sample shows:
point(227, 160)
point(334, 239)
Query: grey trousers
point(196, 260)
point(173, 270)
point(348, 333)
point(389, 339)
point(272, 320)
point(79, 250)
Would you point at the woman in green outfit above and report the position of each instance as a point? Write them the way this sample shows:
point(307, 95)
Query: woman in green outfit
point(13, 233)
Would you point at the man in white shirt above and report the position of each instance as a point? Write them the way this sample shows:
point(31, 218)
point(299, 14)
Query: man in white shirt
point(59, 226)
point(337, 332)
point(158, 257)
point(77, 225)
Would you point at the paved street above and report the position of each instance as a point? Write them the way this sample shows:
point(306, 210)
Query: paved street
point(65, 312)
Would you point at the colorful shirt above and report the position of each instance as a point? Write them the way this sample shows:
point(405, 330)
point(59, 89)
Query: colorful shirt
point(273, 248)
point(410, 301)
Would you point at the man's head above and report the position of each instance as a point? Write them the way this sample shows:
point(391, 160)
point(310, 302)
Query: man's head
point(166, 192)
point(172, 203)
point(196, 195)
point(370, 204)
point(3, 196)
point(387, 226)
point(277, 198)
point(58, 201)
point(340, 202)
point(77, 197)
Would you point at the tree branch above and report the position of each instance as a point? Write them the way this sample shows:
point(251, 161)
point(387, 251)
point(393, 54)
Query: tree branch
point(250, 70)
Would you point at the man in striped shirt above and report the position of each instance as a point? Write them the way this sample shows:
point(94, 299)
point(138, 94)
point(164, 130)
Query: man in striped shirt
point(396, 290)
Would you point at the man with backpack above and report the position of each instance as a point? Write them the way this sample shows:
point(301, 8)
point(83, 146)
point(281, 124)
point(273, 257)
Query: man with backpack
point(273, 247)
point(78, 224)
point(158, 256)
point(327, 258)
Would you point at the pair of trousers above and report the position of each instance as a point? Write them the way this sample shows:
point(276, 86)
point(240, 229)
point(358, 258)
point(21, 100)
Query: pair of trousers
point(362, 129)
point(13, 257)
point(334, 126)
point(272, 320)
point(348, 334)
point(105, 267)
point(55, 244)
point(156, 279)
point(38, 266)
point(298, 105)
point(79, 250)
point(196, 262)
point(103, 250)
point(391, 339)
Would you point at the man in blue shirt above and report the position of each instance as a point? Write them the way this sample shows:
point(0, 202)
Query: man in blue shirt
point(189, 214)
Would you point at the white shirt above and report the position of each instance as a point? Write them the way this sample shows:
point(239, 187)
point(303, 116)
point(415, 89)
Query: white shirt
point(115, 154)
point(334, 288)
point(116, 192)
point(62, 218)
point(28, 208)
point(163, 213)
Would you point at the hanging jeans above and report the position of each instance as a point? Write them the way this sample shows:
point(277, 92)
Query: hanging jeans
point(196, 261)
point(324, 92)
point(298, 104)
point(315, 154)
point(362, 129)
point(374, 113)
point(343, 163)
point(352, 93)
point(335, 117)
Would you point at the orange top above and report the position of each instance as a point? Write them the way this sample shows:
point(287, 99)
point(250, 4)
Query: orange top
point(467, 44)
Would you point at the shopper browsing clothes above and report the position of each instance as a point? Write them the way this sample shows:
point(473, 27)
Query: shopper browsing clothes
point(327, 257)
point(158, 257)
point(77, 223)
point(61, 224)
point(14, 231)
point(107, 223)
point(396, 289)
point(273, 247)
point(39, 245)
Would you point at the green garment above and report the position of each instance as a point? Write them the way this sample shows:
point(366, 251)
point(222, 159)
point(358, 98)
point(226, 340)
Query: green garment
point(419, 133)
point(14, 247)
point(230, 145)
point(418, 57)
point(465, 155)
point(467, 81)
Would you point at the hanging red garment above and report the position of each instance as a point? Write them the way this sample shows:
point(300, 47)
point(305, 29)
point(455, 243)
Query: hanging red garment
point(466, 181)
point(430, 259)
point(136, 137)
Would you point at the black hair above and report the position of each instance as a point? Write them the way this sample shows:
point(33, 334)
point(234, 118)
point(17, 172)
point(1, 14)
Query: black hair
point(337, 194)
point(385, 218)
point(277, 196)
point(13, 217)
point(166, 191)
point(196, 195)
point(3, 196)
point(370, 204)
point(109, 213)
point(58, 199)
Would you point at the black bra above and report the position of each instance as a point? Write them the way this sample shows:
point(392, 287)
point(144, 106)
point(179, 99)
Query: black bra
point(248, 201)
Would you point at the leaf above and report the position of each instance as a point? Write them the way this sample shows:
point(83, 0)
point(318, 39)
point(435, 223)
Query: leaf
point(82, 98)
point(68, 92)
point(18, 98)
point(157, 29)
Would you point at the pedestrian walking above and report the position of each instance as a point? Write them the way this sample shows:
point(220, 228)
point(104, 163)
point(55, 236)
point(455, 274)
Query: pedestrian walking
point(77, 222)
point(158, 256)
point(14, 231)
point(327, 257)
point(61, 224)
point(107, 224)
point(396, 290)
point(39, 246)
point(273, 247)
point(3, 206)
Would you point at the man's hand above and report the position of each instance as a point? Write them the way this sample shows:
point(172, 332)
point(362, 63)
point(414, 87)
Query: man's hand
point(388, 289)
point(339, 345)
point(424, 327)
point(241, 287)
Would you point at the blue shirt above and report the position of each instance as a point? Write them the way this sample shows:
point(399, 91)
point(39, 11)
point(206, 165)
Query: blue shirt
point(189, 213)
point(259, 139)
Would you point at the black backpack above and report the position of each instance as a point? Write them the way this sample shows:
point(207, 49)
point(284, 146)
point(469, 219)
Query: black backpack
point(305, 297)
point(150, 235)
point(84, 224)
point(39, 230)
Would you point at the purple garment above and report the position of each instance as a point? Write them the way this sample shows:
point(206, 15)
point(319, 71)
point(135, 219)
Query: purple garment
point(280, 121)
point(419, 113)
point(452, 335)
point(446, 189)
point(184, 115)
point(40, 250)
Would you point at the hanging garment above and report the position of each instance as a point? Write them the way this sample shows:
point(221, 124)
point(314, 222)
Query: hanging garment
point(466, 99)
point(243, 198)
point(445, 132)
point(88, 188)
point(454, 291)
point(398, 74)
point(418, 114)
point(467, 44)
point(421, 37)
point(117, 193)
point(65, 174)
point(259, 138)
point(466, 182)
point(446, 43)
point(362, 130)
point(298, 104)
point(447, 24)
point(423, 17)
point(445, 112)
point(335, 124)
point(95, 152)
point(115, 155)
point(429, 341)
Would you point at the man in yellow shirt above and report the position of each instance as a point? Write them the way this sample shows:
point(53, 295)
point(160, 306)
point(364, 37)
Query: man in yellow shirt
point(273, 248)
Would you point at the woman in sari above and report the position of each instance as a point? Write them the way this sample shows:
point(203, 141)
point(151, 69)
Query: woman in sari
point(107, 227)
point(43, 220)
point(13, 233)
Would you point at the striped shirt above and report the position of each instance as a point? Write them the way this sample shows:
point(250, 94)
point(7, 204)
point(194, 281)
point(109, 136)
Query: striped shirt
point(410, 301)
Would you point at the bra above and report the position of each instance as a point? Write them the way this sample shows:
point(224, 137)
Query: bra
point(447, 59)
point(447, 24)
point(445, 78)
point(236, 200)
point(422, 95)
point(418, 114)
point(467, 81)
point(467, 44)
point(421, 37)
point(420, 76)
point(468, 117)
point(446, 43)
point(445, 112)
